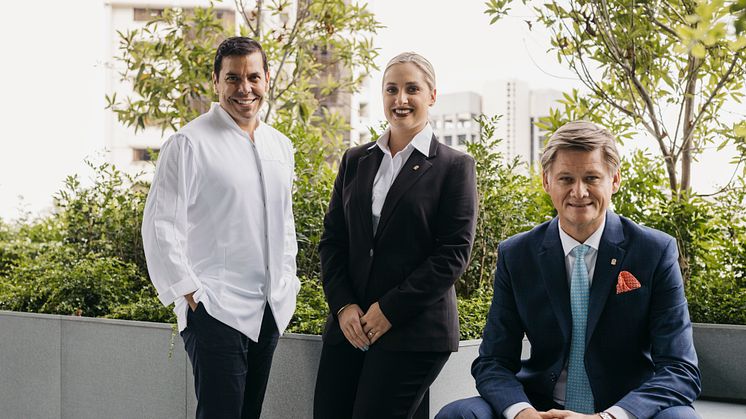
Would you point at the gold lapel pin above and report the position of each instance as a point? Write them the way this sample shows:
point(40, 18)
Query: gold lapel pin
point(613, 262)
point(416, 166)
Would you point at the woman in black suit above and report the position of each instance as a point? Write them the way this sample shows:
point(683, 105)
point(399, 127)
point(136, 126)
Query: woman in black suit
point(397, 236)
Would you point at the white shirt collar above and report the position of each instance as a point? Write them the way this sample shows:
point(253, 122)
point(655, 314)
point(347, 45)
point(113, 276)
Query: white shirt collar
point(421, 141)
point(228, 119)
point(568, 243)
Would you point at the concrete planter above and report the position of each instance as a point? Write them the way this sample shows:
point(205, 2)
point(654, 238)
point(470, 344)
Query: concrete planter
point(721, 349)
point(74, 367)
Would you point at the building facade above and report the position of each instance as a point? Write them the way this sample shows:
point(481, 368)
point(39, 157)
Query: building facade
point(452, 118)
point(519, 107)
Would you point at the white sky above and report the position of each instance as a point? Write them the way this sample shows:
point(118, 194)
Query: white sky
point(52, 80)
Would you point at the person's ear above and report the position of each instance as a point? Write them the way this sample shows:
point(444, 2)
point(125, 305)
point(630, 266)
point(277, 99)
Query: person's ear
point(616, 181)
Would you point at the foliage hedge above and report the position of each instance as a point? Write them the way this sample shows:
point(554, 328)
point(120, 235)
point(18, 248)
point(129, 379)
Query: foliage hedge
point(86, 257)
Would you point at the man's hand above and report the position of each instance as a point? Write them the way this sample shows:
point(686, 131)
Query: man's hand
point(375, 323)
point(349, 322)
point(528, 413)
point(190, 300)
point(556, 413)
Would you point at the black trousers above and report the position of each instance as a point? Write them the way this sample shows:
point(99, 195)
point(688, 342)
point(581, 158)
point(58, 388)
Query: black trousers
point(230, 370)
point(376, 384)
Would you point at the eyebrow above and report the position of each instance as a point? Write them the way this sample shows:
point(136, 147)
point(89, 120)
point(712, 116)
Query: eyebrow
point(230, 73)
point(409, 83)
point(589, 172)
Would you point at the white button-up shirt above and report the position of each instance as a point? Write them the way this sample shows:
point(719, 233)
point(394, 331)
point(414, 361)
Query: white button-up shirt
point(218, 222)
point(391, 166)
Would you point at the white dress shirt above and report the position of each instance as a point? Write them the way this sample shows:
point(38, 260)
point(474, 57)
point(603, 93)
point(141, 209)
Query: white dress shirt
point(568, 243)
point(218, 222)
point(391, 166)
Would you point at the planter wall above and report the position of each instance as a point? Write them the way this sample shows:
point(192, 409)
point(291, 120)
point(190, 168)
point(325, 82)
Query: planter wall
point(721, 349)
point(73, 367)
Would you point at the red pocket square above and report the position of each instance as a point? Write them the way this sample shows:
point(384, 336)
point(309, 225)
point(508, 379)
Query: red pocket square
point(626, 282)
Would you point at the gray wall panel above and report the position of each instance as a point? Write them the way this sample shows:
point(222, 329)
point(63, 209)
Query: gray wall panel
point(455, 381)
point(293, 377)
point(721, 350)
point(29, 366)
point(115, 369)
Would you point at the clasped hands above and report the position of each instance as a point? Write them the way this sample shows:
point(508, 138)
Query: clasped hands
point(531, 413)
point(363, 329)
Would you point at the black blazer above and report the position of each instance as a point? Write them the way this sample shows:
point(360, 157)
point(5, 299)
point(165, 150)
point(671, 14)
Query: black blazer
point(420, 248)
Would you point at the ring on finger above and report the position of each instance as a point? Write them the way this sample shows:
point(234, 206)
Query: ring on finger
point(371, 333)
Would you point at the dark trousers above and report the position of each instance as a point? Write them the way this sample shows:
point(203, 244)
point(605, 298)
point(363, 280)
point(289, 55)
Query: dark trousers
point(478, 408)
point(230, 370)
point(375, 384)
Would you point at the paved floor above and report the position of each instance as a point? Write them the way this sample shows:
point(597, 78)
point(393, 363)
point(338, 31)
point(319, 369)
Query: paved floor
point(717, 410)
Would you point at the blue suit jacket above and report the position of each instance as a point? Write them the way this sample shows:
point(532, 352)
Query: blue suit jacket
point(639, 350)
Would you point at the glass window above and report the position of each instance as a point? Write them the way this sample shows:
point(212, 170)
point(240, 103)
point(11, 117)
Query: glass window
point(145, 154)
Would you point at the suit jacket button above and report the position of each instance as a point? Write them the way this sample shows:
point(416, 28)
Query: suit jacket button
point(553, 377)
point(371, 252)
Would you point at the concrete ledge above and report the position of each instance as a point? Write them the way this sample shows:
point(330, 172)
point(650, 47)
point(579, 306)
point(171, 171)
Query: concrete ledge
point(72, 367)
point(721, 349)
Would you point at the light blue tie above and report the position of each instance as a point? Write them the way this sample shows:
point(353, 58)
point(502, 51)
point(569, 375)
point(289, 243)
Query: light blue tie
point(579, 397)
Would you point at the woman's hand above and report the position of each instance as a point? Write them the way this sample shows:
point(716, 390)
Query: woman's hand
point(375, 323)
point(349, 322)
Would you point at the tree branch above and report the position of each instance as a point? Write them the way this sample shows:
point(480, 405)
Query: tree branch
point(241, 8)
point(302, 13)
point(721, 83)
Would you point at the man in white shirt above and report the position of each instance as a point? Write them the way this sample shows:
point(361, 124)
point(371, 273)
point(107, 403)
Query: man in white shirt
point(599, 297)
point(219, 236)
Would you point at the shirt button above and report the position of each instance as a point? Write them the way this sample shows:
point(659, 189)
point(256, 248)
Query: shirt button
point(371, 252)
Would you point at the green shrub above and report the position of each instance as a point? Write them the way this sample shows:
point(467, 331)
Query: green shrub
point(714, 299)
point(144, 306)
point(509, 203)
point(472, 314)
point(86, 257)
point(62, 281)
point(311, 309)
point(104, 218)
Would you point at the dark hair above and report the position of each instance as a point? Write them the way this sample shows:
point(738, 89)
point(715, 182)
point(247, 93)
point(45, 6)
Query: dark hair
point(237, 45)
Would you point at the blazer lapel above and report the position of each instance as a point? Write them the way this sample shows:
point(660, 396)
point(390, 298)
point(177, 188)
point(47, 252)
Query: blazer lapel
point(553, 272)
point(606, 271)
point(366, 172)
point(413, 169)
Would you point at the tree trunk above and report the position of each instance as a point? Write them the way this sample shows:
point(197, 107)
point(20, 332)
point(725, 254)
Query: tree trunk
point(686, 145)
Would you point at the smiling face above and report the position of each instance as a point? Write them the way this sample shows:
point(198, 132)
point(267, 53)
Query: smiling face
point(241, 86)
point(406, 98)
point(580, 184)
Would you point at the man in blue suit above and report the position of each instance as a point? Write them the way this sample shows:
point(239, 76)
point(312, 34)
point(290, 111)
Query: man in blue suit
point(600, 299)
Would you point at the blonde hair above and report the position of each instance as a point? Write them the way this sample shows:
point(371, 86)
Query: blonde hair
point(581, 135)
point(421, 62)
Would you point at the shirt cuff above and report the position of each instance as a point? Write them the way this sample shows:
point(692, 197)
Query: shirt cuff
point(513, 410)
point(619, 413)
point(179, 289)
